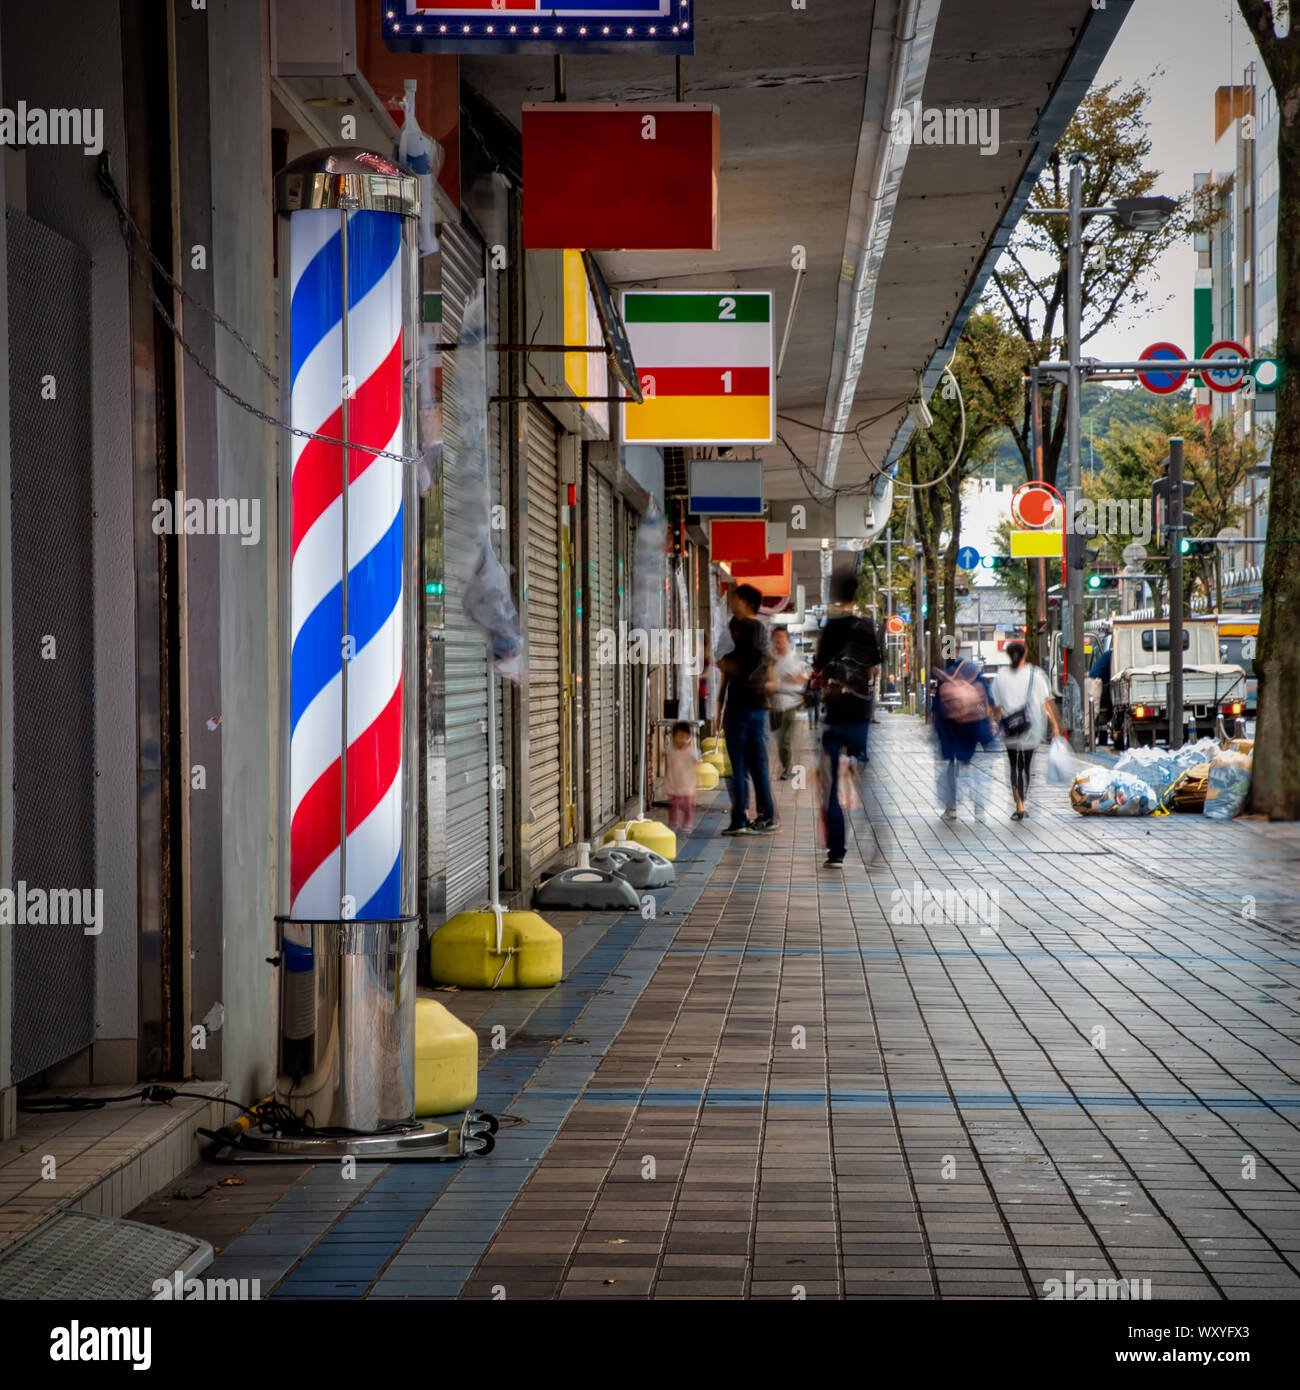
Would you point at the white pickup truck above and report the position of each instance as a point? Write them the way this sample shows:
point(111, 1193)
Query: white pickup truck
point(1139, 680)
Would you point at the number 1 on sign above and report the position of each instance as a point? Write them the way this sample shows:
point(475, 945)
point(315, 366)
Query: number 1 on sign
point(726, 383)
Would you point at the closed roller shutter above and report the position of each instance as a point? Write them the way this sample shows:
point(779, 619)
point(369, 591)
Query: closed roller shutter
point(603, 677)
point(632, 676)
point(546, 710)
point(466, 663)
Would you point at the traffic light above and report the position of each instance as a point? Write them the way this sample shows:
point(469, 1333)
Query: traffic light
point(1078, 555)
point(1266, 372)
point(1102, 583)
point(1187, 546)
point(996, 562)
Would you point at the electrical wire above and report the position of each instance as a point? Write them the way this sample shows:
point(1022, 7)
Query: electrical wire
point(961, 442)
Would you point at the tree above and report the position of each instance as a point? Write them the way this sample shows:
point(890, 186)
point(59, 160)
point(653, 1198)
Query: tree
point(958, 445)
point(1109, 130)
point(1275, 784)
point(1029, 303)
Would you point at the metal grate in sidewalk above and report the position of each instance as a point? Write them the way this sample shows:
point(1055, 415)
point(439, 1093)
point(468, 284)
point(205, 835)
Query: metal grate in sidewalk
point(82, 1255)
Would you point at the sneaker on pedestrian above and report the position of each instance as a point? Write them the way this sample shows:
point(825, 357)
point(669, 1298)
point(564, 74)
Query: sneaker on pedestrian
point(744, 828)
point(765, 823)
point(949, 813)
point(784, 777)
point(833, 863)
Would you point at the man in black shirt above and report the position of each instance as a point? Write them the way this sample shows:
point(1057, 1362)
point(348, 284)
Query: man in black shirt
point(744, 723)
point(847, 657)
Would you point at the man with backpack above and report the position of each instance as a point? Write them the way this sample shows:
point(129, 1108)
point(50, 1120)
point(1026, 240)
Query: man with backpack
point(961, 722)
point(847, 658)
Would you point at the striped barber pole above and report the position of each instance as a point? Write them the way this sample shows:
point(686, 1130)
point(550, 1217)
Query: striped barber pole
point(372, 644)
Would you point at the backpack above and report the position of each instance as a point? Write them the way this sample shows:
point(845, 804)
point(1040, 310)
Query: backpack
point(962, 700)
point(850, 672)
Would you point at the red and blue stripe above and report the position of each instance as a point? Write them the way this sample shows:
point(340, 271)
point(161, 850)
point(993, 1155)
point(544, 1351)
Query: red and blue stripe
point(375, 522)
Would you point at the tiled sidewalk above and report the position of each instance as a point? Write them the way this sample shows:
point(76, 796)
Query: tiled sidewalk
point(797, 1082)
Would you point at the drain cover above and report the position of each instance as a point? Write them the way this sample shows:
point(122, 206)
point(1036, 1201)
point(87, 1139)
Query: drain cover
point(80, 1254)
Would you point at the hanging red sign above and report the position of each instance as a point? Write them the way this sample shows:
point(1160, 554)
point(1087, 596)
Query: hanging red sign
point(614, 176)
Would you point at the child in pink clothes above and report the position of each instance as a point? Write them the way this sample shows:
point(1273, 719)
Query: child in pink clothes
point(680, 781)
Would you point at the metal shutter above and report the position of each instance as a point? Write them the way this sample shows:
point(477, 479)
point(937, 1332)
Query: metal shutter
point(629, 711)
point(465, 658)
point(545, 705)
point(603, 677)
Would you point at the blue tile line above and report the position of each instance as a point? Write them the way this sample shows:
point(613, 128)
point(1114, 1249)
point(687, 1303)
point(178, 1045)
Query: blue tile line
point(464, 1203)
point(971, 952)
point(724, 1096)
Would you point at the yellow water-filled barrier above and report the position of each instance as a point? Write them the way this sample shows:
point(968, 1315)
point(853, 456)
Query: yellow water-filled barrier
point(719, 761)
point(706, 776)
point(446, 1060)
point(652, 834)
point(463, 952)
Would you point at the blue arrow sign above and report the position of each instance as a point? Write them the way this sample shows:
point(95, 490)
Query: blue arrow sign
point(968, 558)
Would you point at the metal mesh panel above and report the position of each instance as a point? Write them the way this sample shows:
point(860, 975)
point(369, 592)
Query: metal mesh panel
point(53, 624)
point(83, 1255)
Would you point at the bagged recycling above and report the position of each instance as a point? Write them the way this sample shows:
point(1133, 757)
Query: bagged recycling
point(1060, 763)
point(1104, 791)
point(1228, 785)
point(1160, 768)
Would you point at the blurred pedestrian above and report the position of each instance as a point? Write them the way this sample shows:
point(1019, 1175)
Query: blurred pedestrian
point(744, 724)
point(680, 782)
point(789, 680)
point(847, 658)
point(961, 724)
point(1023, 706)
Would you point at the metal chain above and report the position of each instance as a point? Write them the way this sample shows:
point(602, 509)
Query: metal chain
point(272, 420)
point(125, 220)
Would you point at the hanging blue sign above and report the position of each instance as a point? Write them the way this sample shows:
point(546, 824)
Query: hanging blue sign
point(540, 26)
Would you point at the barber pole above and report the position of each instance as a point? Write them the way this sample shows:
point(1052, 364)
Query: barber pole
point(346, 639)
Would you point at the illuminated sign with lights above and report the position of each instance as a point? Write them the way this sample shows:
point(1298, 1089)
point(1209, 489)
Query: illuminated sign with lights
point(540, 26)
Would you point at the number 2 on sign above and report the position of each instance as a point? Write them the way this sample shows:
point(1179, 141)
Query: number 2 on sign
point(726, 383)
point(726, 307)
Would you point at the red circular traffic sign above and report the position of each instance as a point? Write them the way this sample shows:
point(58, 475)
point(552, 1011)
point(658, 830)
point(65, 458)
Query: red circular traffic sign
point(894, 624)
point(1231, 377)
point(1033, 504)
point(1162, 383)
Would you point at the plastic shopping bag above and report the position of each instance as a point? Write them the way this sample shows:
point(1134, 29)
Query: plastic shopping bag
point(1060, 763)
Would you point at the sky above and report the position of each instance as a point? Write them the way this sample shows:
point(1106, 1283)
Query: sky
point(1191, 47)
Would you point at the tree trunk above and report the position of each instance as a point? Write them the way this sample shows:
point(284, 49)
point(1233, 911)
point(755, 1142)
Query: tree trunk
point(1275, 780)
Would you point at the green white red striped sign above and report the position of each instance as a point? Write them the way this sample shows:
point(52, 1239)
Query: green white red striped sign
point(705, 364)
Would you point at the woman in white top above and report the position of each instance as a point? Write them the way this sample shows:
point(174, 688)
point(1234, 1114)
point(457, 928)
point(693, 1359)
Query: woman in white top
point(1022, 703)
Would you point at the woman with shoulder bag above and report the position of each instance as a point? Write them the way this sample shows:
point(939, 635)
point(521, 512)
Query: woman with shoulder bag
point(1022, 703)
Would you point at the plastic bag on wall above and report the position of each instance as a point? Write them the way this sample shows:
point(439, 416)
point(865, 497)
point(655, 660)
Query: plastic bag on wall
point(428, 388)
point(486, 583)
point(650, 571)
point(423, 156)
